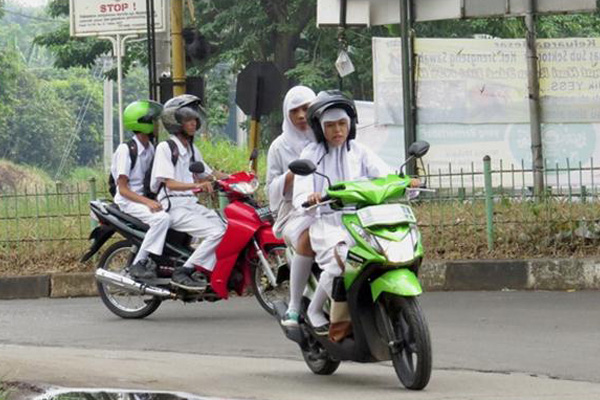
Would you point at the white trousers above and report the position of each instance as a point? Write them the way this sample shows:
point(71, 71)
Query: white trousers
point(154, 240)
point(201, 223)
point(327, 237)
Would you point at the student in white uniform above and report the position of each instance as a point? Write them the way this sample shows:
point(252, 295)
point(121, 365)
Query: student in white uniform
point(140, 117)
point(333, 119)
point(296, 135)
point(174, 184)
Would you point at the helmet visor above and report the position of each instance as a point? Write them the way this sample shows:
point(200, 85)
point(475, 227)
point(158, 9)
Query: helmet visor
point(153, 112)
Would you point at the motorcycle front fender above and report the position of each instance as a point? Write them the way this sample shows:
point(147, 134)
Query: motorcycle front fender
point(401, 282)
point(100, 235)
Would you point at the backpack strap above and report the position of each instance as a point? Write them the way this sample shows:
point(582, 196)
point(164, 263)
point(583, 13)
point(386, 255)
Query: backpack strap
point(174, 151)
point(133, 152)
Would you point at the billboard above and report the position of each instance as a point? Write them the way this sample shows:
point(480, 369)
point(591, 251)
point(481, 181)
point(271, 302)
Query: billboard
point(472, 101)
point(383, 12)
point(112, 17)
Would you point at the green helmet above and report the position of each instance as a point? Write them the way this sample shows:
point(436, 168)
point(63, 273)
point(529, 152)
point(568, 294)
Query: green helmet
point(140, 116)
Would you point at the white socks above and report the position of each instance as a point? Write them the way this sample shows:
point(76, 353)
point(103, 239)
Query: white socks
point(299, 274)
point(316, 316)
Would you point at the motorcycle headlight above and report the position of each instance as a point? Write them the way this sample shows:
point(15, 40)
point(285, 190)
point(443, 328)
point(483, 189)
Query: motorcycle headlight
point(402, 251)
point(245, 187)
point(370, 239)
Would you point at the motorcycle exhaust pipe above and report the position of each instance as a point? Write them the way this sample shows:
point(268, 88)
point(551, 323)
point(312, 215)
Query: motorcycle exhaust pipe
point(124, 282)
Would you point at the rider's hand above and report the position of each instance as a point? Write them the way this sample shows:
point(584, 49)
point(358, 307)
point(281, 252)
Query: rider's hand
point(154, 206)
point(204, 187)
point(415, 183)
point(314, 198)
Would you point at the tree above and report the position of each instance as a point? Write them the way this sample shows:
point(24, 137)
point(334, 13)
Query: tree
point(81, 52)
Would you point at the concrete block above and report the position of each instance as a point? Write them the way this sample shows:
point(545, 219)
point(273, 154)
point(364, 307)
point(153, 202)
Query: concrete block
point(25, 287)
point(564, 274)
point(432, 275)
point(486, 275)
point(81, 284)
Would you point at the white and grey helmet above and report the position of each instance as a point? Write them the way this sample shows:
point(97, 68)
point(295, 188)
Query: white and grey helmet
point(180, 108)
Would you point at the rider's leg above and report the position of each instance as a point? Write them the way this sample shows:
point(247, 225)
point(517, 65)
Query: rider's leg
point(154, 240)
point(300, 271)
point(199, 222)
point(299, 274)
point(330, 242)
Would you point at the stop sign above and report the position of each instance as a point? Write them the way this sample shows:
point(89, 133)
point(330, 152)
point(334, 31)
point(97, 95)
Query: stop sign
point(258, 88)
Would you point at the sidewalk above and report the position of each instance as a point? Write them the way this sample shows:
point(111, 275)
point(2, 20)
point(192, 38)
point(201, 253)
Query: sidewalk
point(542, 274)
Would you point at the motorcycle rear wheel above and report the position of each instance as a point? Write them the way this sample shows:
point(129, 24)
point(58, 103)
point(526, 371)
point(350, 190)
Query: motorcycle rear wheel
point(264, 292)
point(125, 304)
point(411, 354)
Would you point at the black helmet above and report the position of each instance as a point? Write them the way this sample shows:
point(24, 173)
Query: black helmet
point(326, 100)
point(180, 108)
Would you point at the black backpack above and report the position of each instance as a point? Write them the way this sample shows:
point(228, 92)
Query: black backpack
point(147, 191)
point(112, 184)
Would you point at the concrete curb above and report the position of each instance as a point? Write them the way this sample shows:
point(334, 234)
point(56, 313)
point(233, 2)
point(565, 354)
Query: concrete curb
point(540, 274)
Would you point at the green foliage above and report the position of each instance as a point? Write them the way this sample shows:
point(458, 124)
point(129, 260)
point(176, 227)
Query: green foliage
point(223, 155)
point(81, 52)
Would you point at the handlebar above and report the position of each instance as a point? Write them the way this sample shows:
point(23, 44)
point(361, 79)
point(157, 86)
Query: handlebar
point(325, 198)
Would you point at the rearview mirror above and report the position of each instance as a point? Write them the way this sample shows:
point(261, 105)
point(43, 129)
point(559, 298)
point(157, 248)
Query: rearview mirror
point(197, 167)
point(302, 167)
point(418, 149)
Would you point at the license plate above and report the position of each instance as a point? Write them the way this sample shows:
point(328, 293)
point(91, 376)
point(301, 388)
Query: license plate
point(386, 214)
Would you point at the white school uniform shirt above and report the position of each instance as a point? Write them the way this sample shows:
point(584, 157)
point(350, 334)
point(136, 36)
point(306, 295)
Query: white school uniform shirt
point(163, 169)
point(121, 165)
point(339, 165)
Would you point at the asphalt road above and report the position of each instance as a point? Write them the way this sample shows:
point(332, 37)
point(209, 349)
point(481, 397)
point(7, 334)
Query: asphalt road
point(495, 341)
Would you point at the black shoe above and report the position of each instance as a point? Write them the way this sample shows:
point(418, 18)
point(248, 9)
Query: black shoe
point(182, 277)
point(322, 330)
point(143, 269)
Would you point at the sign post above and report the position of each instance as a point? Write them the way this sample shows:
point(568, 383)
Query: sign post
point(117, 21)
point(258, 93)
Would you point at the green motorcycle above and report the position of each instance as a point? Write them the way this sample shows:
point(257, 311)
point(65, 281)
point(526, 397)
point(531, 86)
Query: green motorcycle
point(380, 281)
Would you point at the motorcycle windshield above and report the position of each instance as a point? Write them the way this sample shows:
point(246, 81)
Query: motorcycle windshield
point(372, 191)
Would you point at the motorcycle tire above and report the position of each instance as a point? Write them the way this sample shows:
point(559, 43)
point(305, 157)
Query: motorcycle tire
point(146, 305)
point(317, 359)
point(265, 294)
point(412, 358)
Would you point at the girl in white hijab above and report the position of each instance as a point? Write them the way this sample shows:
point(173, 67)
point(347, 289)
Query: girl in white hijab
point(333, 119)
point(286, 148)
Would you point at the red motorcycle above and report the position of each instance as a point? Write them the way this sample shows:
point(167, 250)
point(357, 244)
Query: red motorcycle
point(248, 255)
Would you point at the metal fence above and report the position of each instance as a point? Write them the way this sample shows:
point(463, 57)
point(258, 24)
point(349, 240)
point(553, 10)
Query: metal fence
point(487, 210)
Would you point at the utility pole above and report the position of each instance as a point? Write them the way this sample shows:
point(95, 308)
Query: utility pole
point(407, 80)
point(108, 115)
point(534, 100)
point(177, 47)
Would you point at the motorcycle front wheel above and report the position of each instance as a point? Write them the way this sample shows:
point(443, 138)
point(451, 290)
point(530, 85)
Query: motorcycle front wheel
point(124, 303)
point(317, 359)
point(266, 294)
point(410, 346)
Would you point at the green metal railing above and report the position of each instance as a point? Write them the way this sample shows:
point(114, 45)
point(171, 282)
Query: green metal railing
point(486, 210)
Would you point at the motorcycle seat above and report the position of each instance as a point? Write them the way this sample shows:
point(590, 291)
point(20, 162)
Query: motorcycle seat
point(116, 211)
point(172, 235)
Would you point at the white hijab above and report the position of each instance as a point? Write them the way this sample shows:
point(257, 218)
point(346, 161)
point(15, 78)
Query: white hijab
point(293, 137)
point(333, 163)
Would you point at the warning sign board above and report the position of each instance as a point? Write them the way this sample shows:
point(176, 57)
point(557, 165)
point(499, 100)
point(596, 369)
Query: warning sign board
point(112, 17)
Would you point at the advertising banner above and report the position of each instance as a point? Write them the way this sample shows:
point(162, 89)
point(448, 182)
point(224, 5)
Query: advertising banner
point(472, 101)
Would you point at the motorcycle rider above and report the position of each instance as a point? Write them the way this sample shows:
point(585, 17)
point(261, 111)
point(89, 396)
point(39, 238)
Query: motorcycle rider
point(140, 117)
point(296, 135)
point(333, 119)
point(171, 179)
